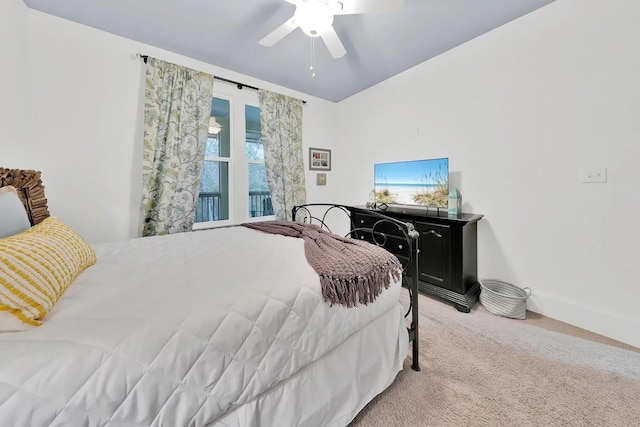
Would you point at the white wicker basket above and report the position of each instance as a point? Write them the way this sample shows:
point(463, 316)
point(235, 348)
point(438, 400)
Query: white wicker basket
point(504, 299)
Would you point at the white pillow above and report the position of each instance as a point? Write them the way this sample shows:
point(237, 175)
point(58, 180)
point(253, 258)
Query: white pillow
point(13, 216)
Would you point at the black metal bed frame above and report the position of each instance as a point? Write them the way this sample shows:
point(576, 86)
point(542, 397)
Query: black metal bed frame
point(302, 213)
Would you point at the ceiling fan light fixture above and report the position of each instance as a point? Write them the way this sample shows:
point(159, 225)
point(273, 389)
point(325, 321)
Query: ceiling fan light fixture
point(313, 17)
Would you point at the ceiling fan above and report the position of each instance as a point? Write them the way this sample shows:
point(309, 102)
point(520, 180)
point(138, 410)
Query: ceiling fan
point(315, 19)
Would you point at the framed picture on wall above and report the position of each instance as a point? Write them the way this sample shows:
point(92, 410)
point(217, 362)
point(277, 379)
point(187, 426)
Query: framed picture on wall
point(319, 159)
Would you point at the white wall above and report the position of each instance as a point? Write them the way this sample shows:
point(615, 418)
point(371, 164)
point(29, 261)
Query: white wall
point(13, 66)
point(519, 112)
point(85, 123)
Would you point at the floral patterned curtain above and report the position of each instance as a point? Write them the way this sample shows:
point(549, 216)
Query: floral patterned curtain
point(281, 123)
point(176, 117)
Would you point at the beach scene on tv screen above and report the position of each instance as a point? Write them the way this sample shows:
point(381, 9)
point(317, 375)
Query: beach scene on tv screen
point(419, 182)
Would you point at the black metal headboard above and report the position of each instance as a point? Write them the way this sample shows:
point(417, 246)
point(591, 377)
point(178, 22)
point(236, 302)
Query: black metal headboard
point(378, 229)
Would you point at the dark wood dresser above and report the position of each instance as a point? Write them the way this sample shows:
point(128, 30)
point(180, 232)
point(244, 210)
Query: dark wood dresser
point(447, 257)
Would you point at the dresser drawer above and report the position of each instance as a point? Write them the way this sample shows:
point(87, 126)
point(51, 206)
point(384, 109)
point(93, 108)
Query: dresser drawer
point(396, 245)
point(381, 226)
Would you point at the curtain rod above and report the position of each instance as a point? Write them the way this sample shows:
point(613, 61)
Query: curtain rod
point(238, 84)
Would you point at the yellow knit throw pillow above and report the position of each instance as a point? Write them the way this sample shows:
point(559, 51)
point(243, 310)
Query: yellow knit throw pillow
point(36, 267)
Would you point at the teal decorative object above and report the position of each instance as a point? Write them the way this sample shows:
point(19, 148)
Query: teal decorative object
point(455, 201)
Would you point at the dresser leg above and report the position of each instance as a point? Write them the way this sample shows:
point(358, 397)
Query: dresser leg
point(462, 308)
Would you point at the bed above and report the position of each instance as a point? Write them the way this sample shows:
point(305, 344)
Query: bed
point(175, 331)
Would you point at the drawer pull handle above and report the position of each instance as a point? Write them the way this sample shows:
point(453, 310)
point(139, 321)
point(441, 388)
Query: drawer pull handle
point(438, 235)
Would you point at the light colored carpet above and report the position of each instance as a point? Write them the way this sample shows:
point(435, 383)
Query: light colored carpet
point(479, 369)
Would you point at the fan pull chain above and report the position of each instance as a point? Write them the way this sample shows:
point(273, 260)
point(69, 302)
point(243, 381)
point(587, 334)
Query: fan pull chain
point(312, 68)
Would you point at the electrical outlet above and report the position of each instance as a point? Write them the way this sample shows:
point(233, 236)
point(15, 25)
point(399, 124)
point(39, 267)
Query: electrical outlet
point(598, 175)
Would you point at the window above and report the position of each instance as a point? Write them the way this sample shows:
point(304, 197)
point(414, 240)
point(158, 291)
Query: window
point(233, 187)
point(259, 196)
point(213, 201)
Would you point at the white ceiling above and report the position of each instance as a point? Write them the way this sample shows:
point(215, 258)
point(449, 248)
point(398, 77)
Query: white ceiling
point(225, 33)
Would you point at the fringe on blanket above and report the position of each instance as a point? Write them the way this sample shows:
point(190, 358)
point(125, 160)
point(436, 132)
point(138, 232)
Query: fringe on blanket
point(360, 289)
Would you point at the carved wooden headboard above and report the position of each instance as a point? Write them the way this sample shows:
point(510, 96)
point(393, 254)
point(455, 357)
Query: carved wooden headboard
point(30, 190)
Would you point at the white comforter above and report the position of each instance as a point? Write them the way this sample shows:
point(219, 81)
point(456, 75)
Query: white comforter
point(174, 330)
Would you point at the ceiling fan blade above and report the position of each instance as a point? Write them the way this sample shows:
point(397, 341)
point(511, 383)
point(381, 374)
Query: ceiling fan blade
point(351, 7)
point(279, 33)
point(331, 39)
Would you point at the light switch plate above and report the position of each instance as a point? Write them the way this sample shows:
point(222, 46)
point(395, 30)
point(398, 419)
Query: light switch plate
point(598, 175)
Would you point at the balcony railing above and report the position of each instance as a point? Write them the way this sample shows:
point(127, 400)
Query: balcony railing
point(260, 204)
point(209, 206)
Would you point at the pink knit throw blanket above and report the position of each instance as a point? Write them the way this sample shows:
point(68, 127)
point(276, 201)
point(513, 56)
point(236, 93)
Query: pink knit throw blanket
point(350, 270)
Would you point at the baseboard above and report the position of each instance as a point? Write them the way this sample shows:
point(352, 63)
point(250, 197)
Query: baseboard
point(610, 325)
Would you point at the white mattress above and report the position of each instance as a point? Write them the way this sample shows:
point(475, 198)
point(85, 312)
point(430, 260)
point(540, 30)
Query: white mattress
point(222, 327)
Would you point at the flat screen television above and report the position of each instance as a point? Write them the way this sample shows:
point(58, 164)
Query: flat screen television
point(413, 183)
